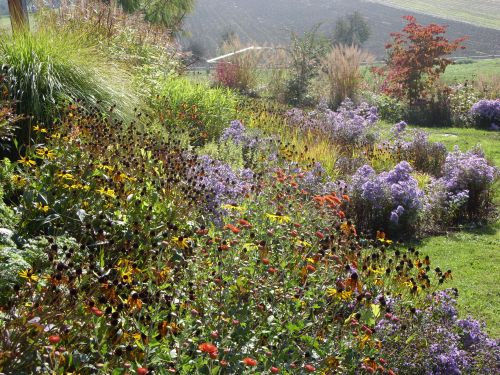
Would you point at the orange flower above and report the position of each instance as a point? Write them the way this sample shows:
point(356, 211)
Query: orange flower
point(208, 348)
point(245, 223)
point(249, 362)
point(134, 301)
point(232, 228)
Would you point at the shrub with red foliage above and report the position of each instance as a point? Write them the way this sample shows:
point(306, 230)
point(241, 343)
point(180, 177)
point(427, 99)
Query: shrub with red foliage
point(226, 74)
point(416, 59)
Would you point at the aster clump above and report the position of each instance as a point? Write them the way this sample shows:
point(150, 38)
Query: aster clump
point(487, 112)
point(426, 156)
point(468, 178)
point(349, 127)
point(389, 200)
point(219, 183)
point(434, 341)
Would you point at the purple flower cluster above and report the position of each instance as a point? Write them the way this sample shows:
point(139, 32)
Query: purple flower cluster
point(237, 133)
point(220, 183)
point(462, 193)
point(350, 126)
point(467, 171)
point(426, 156)
point(440, 344)
point(399, 128)
point(394, 194)
point(487, 109)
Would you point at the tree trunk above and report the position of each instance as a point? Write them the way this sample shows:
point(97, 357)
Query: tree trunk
point(18, 10)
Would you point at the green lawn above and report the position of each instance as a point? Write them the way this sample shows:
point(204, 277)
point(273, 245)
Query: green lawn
point(472, 255)
point(474, 259)
point(468, 138)
point(464, 138)
point(461, 72)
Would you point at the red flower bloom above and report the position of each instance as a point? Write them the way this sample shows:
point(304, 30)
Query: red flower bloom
point(249, 361)
point(142, 371)
point(96, 311)
point(54, 339)
point(309, 368)
point(274, 370)
point(265, 261)
point(206, 347)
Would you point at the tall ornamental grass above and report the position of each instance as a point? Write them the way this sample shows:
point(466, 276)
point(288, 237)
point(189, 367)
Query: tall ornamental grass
point(341, 69)
point(51, 64)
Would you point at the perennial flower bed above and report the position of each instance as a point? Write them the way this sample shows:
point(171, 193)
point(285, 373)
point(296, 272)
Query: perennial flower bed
point(131, 254)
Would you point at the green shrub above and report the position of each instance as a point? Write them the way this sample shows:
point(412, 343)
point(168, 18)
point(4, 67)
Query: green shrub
point(56, 63)
point(195, 108)
point(462, 98)
point(12, 263)
point(389, 109)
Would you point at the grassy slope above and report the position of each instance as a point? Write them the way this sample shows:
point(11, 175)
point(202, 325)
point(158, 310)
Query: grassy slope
point(478, 12)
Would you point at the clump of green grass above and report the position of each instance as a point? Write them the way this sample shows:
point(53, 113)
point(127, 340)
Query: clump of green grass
point(195, 107)
point(50, 65)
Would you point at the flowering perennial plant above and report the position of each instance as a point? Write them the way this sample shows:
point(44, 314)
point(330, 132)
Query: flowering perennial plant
point(386, 200)
point(348, 127)
point(487, 111)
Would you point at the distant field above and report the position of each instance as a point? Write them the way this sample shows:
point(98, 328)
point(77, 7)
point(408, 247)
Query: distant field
point(269, 22)
point(4, 22)
point(484, 13)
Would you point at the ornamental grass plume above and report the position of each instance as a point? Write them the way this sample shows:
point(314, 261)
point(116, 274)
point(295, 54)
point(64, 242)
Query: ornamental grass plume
point(341, 69)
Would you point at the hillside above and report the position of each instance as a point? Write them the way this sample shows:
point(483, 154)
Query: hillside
point(478, 12)
point(270, 22)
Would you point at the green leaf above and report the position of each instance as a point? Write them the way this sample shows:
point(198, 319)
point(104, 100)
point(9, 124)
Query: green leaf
point(411, 338)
